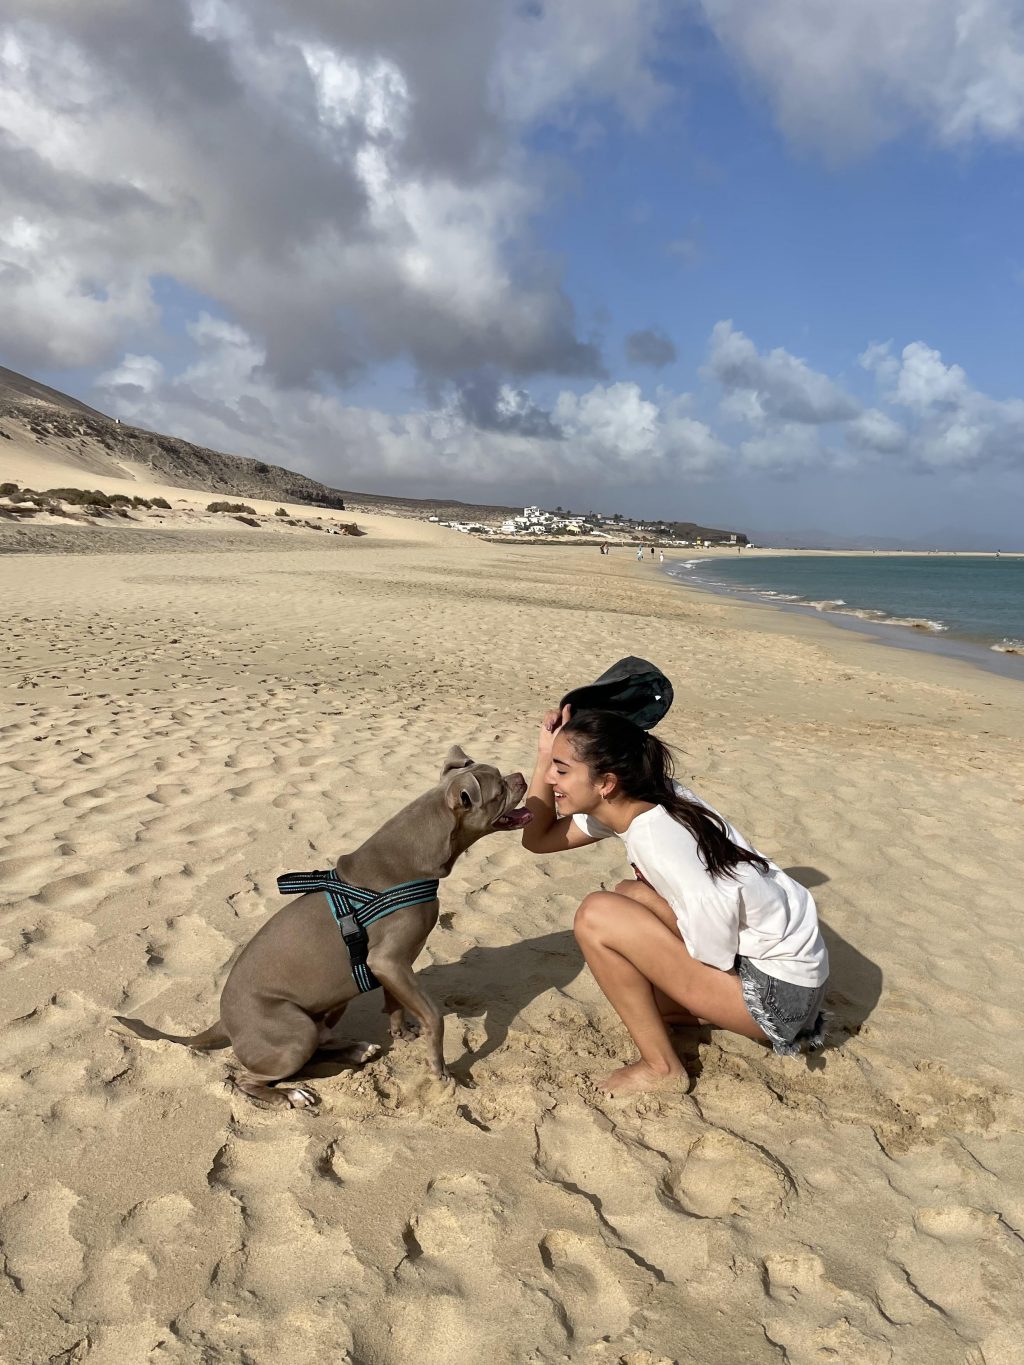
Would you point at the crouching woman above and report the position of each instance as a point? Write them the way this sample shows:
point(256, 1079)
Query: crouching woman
point(709, 930)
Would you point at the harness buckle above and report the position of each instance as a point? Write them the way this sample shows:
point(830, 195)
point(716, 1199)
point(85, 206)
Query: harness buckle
point(350, 926)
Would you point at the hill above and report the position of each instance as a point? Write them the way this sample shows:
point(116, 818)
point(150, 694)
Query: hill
point(68, 432)
point(18, 388)
point(73, 433)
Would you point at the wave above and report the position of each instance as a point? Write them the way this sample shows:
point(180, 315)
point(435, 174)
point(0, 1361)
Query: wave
point(837, 605)
point(1009, 647)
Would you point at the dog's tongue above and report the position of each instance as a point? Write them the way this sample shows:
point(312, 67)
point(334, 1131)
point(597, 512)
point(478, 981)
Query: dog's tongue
point(514, 819)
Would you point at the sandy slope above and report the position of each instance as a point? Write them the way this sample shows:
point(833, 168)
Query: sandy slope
point(178, 728)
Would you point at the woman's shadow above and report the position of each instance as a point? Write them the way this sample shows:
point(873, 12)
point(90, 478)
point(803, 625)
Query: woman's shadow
point(855, 982)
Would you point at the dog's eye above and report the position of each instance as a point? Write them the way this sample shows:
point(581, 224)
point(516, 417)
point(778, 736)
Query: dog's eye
point(467, 800)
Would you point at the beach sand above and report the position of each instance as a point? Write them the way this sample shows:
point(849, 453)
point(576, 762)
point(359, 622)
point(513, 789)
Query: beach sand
point(182, 725)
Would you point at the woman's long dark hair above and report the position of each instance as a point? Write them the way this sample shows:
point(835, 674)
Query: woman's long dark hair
point(609, 743)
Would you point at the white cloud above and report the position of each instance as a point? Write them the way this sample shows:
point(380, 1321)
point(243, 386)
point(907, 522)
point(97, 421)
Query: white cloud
point(556, 54)
point(955, 425)
point(875, 431)
point(776, 386)
point(607, 436)
point(845, 75)
point(923, 382)
point(349, 183)
point(877, 359)
point(785, 449)
point(928, 418)
point(135, 377)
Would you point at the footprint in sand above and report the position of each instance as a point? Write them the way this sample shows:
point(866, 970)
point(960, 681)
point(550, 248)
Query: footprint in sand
point(25, 875)
point(818, 1319)
point(53, 934)
point(453, 1263)
point(188, 947)
point(42, 1257)
point(969, 1264)
point(623, 1180)
point(82, 886)
point(275, 1228)
point(722, 1176)
point(170, 794)
point(597, 1286)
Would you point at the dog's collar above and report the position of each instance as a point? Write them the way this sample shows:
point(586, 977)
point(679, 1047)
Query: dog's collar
point(355, 908)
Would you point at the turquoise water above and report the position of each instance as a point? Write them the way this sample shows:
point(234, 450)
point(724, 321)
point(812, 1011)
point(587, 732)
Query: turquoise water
point(972, 598)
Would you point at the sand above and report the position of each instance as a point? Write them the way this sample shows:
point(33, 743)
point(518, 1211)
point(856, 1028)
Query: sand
point(181, 725)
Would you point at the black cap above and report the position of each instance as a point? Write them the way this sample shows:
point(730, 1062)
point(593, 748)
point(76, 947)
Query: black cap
point(633, 687)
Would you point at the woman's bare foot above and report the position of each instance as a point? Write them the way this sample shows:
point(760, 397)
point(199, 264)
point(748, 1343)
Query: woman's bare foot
point(639, 1077)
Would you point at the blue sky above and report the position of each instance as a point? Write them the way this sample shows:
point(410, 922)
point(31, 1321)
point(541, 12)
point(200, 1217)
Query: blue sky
point(620, 253)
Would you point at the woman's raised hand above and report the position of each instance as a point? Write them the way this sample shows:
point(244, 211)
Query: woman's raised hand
point(549, 727)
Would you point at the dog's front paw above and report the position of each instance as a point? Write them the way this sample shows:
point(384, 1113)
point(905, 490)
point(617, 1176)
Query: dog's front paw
point(445, 1081)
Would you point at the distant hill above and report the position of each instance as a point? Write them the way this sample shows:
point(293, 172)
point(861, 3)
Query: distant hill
point(74, 434)
point(79, 435)
point(17, 388)
point(690, 530)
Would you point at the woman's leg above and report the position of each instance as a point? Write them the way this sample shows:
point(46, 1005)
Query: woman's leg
point(632, 953)
point(670, 1010)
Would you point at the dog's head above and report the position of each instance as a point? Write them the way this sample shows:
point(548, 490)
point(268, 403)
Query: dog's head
point(480, 799)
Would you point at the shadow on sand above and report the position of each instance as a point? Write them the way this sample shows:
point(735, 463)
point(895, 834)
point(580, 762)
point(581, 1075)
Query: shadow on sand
point(855, 982)
point(495, 982)
point(499, 982)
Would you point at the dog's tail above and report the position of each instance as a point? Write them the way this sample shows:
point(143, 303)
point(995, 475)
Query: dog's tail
point(211, 1038)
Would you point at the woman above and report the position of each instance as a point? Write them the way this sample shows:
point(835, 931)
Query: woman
point(710, 930)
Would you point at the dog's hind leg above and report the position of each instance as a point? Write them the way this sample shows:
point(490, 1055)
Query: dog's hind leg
point(262, 1089)
point(273, 1045)
point(343, 1048)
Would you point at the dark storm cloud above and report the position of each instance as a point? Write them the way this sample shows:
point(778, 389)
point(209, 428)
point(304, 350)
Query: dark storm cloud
point(651, 347)
point(489, 405)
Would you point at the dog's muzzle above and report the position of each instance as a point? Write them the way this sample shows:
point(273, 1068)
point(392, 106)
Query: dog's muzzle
point(516, 818)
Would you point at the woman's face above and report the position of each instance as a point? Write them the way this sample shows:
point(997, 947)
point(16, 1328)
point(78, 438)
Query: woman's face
point(575, 789)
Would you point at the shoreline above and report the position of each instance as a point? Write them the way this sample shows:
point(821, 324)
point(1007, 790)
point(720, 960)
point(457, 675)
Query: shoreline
point(892, 635)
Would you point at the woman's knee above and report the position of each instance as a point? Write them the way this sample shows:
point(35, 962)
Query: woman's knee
point(591, 915)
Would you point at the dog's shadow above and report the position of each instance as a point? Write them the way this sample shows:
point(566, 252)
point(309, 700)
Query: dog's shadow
point(495, 983)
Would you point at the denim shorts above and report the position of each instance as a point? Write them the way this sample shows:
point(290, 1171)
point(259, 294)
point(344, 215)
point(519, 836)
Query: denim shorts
point(789, 1016)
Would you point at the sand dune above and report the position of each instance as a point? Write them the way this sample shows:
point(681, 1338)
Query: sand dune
point(180, 727)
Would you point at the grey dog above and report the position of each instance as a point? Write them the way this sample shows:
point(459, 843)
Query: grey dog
point(289, 986)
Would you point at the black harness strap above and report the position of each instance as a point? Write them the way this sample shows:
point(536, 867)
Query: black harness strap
point(355, 909)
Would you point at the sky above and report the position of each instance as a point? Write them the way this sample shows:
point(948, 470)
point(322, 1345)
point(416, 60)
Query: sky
point(751, 263)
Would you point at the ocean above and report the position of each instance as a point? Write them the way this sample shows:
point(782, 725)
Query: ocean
point(974, 601)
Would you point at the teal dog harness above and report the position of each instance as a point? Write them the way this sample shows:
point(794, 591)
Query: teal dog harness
point(354, 908)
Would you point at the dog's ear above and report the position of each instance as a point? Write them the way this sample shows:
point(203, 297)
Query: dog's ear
point(464, 792)
point(456, 759)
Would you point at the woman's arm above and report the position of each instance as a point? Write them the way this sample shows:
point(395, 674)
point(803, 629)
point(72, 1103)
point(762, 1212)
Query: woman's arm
point(547, 832)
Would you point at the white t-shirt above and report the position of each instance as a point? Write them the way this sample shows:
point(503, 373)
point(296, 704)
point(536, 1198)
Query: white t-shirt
point(767, 917)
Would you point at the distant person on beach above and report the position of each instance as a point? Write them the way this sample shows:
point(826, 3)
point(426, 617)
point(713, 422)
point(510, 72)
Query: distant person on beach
point(709, 931)
point(639, 552)
point(661, 556)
